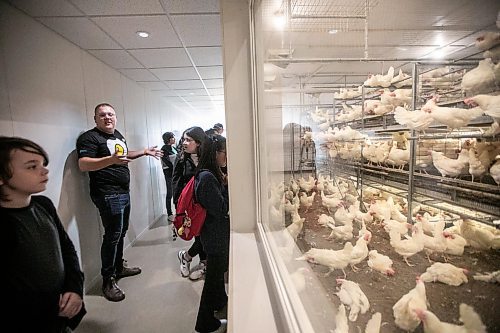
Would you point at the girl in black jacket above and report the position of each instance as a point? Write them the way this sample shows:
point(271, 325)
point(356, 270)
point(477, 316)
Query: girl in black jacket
point(184, 169)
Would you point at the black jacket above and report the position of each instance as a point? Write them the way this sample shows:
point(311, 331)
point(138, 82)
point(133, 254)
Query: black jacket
point(184, 169)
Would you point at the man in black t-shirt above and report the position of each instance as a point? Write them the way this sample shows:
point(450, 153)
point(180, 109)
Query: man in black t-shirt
point(103, 152)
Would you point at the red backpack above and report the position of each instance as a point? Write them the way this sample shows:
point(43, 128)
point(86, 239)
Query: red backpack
point(190, 215)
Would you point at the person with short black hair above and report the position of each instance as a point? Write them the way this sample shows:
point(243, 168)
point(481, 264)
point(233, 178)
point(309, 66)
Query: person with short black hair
point(167, 163)
point(43, 288)
point(103, 152)
point(216, 129)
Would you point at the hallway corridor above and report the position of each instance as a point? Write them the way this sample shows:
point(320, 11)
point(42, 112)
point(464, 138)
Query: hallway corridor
point(157, 300)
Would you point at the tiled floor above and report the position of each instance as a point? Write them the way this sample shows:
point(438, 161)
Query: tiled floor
point(157, 300)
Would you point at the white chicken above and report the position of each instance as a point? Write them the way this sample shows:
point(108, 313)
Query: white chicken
point(493, 277)
point(448, 166)
point(487, 40)
point(410, 246)
point(351, 295)
point(330, 258)
point(404, 309)
point(380, 80)
point(453, 118)
point(480, 79)
point(296, 226)
point(360, 250)
point(342, 216)
point(307, 201)
point(445, 273)
point(341, 232)
point(437, 242)
point(398, 157)
point(401, 80)
point(472, 322)
point(331, 203)
point(479, 236)
point(380, 263)
point(373, 325)
point(341, 321)
point(455, 244)
point(476, 168)
point(324, 220)
point(495, 170)
point(490, 106)
point(416, 120)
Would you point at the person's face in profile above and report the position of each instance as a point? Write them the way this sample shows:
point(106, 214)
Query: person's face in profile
point(189, 144)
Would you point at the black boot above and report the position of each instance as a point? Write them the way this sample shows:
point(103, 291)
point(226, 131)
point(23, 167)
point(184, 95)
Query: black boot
point(125, 271)
point(111, 290)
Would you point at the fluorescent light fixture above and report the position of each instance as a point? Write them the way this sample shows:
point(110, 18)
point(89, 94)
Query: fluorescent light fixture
point(143, 34)
point(332, 31)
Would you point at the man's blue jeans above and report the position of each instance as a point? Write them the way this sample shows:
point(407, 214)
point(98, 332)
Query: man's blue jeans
point(115, 213)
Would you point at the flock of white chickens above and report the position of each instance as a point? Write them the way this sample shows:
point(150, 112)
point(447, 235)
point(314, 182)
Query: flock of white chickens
point(346, 222)
point(480, 85)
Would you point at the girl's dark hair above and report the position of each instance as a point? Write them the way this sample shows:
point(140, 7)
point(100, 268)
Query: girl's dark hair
point(208, 158)
point(7, 145)
point(198, 135)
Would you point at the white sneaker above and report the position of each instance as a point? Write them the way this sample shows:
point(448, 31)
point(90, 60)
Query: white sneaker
point(199, 272)
point(184, 263)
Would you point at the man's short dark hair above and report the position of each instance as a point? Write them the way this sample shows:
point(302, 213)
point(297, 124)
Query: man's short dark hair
point(102, 105)
point(218, 126)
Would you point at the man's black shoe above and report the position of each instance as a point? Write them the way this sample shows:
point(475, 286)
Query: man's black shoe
point(128, 271)
point(111, 290)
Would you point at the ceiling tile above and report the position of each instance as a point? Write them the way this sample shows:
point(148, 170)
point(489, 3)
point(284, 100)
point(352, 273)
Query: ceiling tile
point(116, 58)
point(124, 30)
point(191, 92)
point(169, 57)
point(197, 98)
point(168, 93)
point(158, 85)
point(199, 30)
point(187, 84)
point(211, 72)
point(138, 74)
point(216, 91)
point(80, 31)
point(214, 83)
point(206, 56)
point(175, 73)
point(119, 7)
point(47, 7)
point(192, 6)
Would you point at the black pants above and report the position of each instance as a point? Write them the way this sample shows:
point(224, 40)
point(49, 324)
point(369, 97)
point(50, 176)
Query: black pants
point(213, 296)
point(197, 249)
point(168, 199)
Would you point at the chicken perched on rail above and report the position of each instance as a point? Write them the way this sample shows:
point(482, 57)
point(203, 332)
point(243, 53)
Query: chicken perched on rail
point(380, 263)
point(480, 236)
point(480, 79)
point(445, 273)
point(453, 118)
point(490, 106)
point(380, 80)
point(416, 120)
point(330, 258)
point(448, 166)
point(404, 309)
point(487, 40)
point(351, 295)
point(470, 318)
point(401, 80)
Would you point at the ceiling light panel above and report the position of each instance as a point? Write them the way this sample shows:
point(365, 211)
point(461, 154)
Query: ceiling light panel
point(176, 73)
point(124, 30)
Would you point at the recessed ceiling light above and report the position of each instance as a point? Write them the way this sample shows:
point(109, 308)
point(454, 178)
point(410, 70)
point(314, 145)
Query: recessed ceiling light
point(143, 34)
point(332, 31)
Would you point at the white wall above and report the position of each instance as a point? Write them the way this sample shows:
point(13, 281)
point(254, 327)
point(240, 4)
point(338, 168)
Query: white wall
point(48, 90)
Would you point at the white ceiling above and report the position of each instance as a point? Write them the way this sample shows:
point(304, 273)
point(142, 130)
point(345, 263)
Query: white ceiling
point(181, 59)
point(398, 30)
